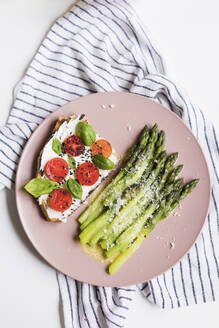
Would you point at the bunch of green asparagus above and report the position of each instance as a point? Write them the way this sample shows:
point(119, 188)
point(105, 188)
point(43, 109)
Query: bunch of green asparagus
point(144, 192)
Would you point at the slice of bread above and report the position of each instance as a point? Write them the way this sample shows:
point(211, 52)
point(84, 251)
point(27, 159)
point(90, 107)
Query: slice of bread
point(62, 129)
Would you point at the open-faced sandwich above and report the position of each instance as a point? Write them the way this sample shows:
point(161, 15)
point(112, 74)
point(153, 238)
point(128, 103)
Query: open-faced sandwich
point(72, 164)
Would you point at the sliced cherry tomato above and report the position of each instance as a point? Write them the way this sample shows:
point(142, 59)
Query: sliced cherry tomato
point(60, 200)
point(73, 146)
point(101, 147)
point(87, 173)
point(56, 169)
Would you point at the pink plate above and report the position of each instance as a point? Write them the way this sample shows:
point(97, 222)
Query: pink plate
point(54, 241)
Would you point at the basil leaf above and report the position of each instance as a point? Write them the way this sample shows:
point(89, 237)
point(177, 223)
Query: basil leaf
point(75, 188)
point(38, 187)
point(86, 132)
point(57, 146)
point(71, 162)
point(103, 162)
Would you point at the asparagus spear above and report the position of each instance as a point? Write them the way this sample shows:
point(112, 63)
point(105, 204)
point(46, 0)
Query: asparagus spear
point(96, 207)
point(158, 149)
point(124, 200)
point(117, 208)
point(116, 226)
point(174, 173)
point(119, 224)
point(110, 238)
point(172, 202)
point(131, 176)
point(132, 232)
point(159, 146)
point(94, 226)
point(104, 231)
point(95, 229)
point(140, 166)
point(123, 257)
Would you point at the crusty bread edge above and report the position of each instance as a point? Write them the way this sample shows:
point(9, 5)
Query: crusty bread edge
point(39, 174)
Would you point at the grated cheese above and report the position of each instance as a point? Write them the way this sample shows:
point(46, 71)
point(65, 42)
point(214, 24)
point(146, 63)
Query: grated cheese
point(172, 244)
point(129, 128)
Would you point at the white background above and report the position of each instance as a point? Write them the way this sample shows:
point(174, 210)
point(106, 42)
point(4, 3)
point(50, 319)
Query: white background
point(187, 33)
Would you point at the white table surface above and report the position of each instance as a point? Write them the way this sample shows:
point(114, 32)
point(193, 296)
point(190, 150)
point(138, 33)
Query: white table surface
point(187, 33)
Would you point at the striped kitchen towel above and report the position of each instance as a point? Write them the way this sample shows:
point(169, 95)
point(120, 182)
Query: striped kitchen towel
point(102, 46)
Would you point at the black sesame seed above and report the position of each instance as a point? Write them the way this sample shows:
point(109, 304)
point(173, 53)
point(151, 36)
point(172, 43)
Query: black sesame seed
point(82, 116)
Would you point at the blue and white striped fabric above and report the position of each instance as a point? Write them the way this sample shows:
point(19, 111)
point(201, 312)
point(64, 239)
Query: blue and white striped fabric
point(102, 46)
